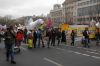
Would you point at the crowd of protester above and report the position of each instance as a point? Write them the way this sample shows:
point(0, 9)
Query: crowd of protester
point(37, 38)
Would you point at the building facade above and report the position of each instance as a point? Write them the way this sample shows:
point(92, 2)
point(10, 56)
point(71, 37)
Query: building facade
point(81, 11)
point(88, 10)
point(70, 10)
point(76, 11)
point(57, 14)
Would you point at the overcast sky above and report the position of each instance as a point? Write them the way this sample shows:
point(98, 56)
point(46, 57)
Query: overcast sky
point(26, 7)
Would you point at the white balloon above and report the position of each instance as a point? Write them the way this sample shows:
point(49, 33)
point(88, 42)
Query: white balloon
point(4, 27)
point(32, 24)
point(40, 21)
point(92, 23)
point(98, 24)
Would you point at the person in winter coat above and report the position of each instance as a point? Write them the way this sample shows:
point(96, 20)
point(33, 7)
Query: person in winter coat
point(34, 38)
point(63, 37)
point(48, 35)
point(53, 37)
point(19, 37)
point(97, 34)
point(86, 36)
point(9, 42)
point(40, 38)
point(25, 35)
point(59, 36)
point(73, 37)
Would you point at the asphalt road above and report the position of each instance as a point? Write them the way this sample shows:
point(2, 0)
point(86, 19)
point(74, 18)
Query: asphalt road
point(63, 55)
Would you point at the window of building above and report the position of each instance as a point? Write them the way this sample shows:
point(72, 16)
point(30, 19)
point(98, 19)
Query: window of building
point(98, 0)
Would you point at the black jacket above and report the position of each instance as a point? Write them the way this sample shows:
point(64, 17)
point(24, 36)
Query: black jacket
point(9, 37)
point(85, 34)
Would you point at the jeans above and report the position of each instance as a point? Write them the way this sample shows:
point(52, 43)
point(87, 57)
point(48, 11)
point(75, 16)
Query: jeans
point(39, 42)
point(87, 42)
point(73, 41)
point(48, 42)
point(10, 52)
point(97, 39)
point(19, 43)
point(59, 40)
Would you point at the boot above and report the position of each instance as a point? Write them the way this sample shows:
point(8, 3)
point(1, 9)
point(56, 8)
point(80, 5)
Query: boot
point(13, 62)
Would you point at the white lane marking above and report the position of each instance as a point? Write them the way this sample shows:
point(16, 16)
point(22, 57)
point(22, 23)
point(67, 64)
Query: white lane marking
point(74, 52)
point(83, 48)
point(77, 52)
point(81, 54)
point(64, 50)
point(93, 52)
point(85, 54)
point(70, 51)
point(95, 57)
point(60, 49)
point(53, 62)
point(89, 49)
point(79, 47)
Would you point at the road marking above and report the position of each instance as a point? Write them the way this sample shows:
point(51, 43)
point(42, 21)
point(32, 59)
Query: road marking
point(79, 47)
point(70, 51)
point(93, 52)
point(84, 48)
point(77, 52)
point(64, 50)
point(81, 53)
point(85, 54)
point(74, 52)
point(95, 57)
point(60, 49)
point(53, 62)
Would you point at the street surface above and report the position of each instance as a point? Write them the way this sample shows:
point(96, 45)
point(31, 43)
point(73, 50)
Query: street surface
point(63, 55)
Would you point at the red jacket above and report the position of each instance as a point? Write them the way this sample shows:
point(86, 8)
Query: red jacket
point(19, 36)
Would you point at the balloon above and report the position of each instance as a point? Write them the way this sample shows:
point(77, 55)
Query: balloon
point(92, 23)
point(40, 21)
point(34, 24)
point(4, 27)
point(98, 24)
